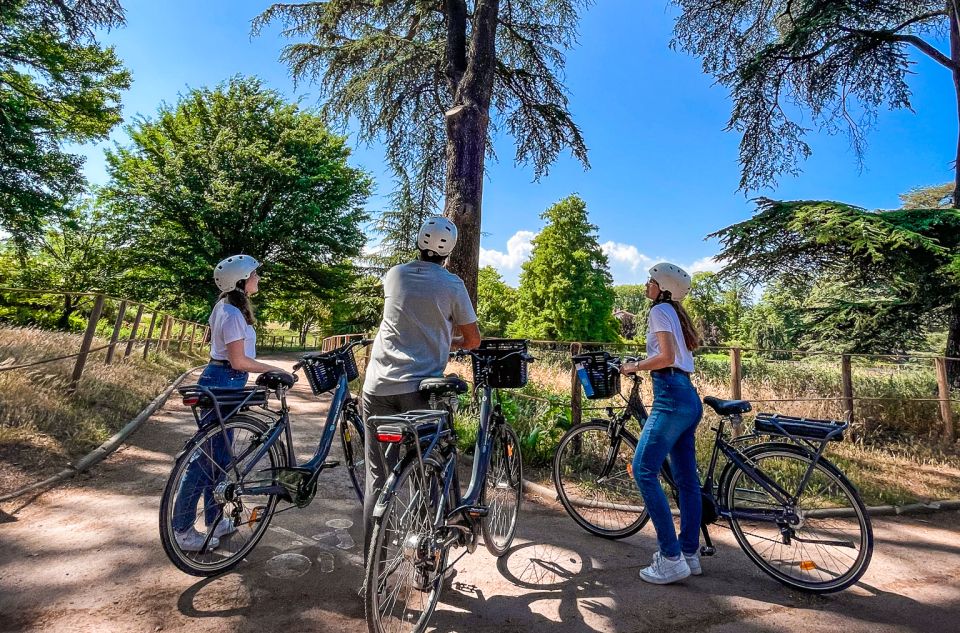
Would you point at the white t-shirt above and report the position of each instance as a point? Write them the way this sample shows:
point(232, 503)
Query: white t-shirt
point(663, 318)
point(228, 325)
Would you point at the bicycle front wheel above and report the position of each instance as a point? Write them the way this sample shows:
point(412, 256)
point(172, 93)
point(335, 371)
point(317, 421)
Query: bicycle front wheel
point(502, 491)
point(403, 580)
point(210, 518)
point(351, 434)
point(593, 475)
point(827, 547)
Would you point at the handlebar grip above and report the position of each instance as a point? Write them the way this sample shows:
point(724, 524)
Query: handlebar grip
point(366, 341)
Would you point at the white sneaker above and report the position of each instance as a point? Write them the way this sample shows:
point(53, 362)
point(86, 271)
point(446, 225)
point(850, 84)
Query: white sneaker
point(693, 562)
point(664, 571)
point(192, 541)
point(224, 528)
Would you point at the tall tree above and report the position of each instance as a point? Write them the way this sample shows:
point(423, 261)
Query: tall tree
point(57, 86)
point(496, 303)
point(839, 61)
point(880, 276)
point(566, 289)
point(229, 170)
point(433, 79)
point(929, 197)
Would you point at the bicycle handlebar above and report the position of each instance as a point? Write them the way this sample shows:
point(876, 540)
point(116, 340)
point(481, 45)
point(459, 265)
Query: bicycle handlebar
point(461, 353)
point(346, 347)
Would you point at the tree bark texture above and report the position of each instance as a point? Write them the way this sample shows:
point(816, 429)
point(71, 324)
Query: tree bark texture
point(471, 80)
point(955, 58)
point(953, 345)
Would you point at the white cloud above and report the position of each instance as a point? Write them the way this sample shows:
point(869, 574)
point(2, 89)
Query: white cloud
point(625, 254)
point(705, 264)
point(518, 250)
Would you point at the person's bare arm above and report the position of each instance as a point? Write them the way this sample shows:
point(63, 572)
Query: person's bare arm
point(241, 362)
point(664, 359)
point(469, 337)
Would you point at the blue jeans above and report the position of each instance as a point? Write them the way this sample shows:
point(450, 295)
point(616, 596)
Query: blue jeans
point(670, 431)
point(202, 476)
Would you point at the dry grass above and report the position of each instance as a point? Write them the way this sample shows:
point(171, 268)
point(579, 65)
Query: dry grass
point(41, 422)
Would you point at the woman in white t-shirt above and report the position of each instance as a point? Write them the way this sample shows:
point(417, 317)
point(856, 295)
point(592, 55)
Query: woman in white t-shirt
point(671, 427)
point(233, 353)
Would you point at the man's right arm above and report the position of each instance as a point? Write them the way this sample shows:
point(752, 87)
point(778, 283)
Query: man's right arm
point(469, 337)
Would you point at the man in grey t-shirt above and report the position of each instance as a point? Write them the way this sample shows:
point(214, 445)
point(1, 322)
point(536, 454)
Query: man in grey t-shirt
point(423, 304)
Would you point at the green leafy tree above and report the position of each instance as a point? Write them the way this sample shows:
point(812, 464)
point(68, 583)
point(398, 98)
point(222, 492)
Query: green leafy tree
point(777, 321)
point(930, 197)
point(433, 80)
point(836, 62)
point(882, 278)
point(229, 170)
point(566, 289)
point(57, 86)
point(632, 298)
point(705, 305)
point(496, 303)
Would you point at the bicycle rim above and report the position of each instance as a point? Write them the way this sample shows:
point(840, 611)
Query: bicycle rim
point(831, 547)
point(195, 490)
point(353, 452)
point(502, 492)
point(609, 506)
point(403, 582)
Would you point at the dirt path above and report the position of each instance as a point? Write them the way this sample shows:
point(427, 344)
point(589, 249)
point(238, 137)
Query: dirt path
point(87, 557)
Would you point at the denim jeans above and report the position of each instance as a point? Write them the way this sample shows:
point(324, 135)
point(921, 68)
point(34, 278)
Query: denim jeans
point(202, 476)
point(670, 431)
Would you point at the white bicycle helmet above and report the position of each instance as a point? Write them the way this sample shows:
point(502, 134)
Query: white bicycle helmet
point(438, 235)
point(233, 270)
point(671, 278)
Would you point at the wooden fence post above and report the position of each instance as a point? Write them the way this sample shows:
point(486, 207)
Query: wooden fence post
point(87, 340)
point(576, 404)
point(148, 340)
point(846, 388)
point(736, 374)
point(946, 411)
point(167, 332)
point(193, 336)
point(133, 332)
point(121, 311)
point(206, 334)
point(183, 332)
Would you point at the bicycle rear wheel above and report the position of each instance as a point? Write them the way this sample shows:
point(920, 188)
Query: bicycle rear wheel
point(502, 491)
point(594, 479)
point(204, 495)
point(829, 547)
point(351, 434)
point(403, 580)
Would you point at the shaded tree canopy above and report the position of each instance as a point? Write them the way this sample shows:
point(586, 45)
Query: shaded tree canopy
point(57, 86)
point(230, 170)
point(496, 303)
point(435, 80)
point(565, 289)
point(878, 276)
point(838, 61)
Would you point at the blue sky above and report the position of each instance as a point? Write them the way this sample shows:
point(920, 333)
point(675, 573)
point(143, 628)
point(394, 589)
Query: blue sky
point(663, 172)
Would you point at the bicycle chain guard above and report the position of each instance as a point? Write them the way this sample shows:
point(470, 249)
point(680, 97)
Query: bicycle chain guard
point(300, 484)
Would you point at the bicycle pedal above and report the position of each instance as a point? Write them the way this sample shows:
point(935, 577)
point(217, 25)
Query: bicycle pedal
point(477, 512)
point(708, 551)
point(331, 463)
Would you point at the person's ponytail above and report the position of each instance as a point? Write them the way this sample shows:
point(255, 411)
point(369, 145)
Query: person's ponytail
point(691, 336)
point(238, 298)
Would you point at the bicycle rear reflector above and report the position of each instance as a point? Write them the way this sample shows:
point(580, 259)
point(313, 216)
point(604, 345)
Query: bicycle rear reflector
point(807, 565)
point(390, 437)
point(191, 401)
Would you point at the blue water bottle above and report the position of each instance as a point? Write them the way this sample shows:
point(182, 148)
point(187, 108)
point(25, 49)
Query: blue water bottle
point(584, 379)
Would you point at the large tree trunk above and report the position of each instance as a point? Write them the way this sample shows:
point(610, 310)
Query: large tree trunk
point(955, 56)
point(471, 81)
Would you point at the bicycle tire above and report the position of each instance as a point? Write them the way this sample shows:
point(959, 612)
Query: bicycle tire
point(505, 484)
point(842, 511)
point(353, 452)
point(577, 487)
point(409, 558)
point(257, 517)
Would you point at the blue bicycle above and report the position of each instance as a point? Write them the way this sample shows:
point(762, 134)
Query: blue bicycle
point(230, 477)
point(421, 514)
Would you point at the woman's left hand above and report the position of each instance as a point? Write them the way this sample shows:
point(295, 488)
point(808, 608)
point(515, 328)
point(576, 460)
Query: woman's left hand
point(628, 369)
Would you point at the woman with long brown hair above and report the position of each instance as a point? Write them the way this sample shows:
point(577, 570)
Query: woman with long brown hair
point(671, 427)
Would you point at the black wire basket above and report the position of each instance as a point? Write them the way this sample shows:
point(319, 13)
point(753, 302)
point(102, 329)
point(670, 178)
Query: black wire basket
point(322, 370)
point(599, 379)
point(506, 374)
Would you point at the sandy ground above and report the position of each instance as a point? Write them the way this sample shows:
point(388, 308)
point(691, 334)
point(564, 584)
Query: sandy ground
point(87, 557)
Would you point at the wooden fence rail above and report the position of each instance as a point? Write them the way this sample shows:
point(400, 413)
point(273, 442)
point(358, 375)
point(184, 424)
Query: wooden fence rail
point(160, 343)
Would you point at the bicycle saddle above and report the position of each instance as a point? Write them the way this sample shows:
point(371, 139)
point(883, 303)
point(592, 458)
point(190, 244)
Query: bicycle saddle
point(445, 385)
point(276, 379)
point(727, 407)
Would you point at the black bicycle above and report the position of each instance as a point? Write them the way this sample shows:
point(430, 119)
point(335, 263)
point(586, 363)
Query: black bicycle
point(421, 514)
point(230, 477)
point(793, 513)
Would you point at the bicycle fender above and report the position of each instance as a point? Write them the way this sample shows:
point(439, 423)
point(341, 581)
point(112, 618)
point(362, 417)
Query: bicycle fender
point(385, 496)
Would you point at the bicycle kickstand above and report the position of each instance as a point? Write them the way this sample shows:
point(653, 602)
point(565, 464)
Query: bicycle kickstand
point(707, 549)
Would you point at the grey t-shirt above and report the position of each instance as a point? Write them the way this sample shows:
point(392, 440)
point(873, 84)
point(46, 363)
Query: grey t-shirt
point(422, 303)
